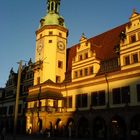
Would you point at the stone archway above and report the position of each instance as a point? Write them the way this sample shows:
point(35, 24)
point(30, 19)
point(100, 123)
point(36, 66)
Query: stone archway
point(99, 128)
point(118, 128)
point(83, 127)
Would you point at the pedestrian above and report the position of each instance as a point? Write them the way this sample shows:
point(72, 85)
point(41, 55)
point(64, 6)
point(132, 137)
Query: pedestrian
point(3, 133)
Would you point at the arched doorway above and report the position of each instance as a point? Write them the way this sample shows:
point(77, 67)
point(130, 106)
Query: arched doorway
point(135, 127)
point(70, 127)
point(118, 128)
point(83, 128)
point(99, 128)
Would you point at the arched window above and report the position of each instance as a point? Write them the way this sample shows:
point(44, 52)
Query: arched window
point(52, 6)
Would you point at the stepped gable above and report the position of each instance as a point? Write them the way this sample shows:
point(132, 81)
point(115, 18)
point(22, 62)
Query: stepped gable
point(102, 44)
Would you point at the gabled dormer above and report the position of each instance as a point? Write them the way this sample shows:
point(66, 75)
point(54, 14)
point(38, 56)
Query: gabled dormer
point(130, 45)
point(84, 64)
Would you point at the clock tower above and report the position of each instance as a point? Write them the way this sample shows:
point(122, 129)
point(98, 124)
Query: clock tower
point(51, 42)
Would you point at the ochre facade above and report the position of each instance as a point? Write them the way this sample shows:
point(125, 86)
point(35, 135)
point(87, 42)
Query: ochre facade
point(89, 90)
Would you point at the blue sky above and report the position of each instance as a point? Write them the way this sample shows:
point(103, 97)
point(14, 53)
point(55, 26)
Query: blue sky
point(19, 20)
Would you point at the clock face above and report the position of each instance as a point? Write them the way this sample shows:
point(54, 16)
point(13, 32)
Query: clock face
point(61, 45)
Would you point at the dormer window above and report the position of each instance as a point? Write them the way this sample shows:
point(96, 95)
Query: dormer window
point(133, 38)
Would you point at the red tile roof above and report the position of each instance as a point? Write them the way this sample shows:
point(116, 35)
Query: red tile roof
point(103, 45)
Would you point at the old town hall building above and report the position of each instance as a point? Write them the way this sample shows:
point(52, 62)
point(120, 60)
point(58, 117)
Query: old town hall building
point(91, 89)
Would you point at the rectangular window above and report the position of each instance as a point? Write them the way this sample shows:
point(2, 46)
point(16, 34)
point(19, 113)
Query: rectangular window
point(101, 97)
point(86, 55)
point(116, 96)
point(90, 70)
point(75, 74)
point(60, 34)
point(57, 79)
point(38, 80)
point(50, 41)
point(80, 57)
point(94, 99)
point(127, 60)
point(138, 92)
point(81, 73)
point(78, 101)
point(133, 38)
point(11, 110)
point(125, 92)
point(60, 64)
point(68, 102)
point(81, 100)
point(98, 98)
point(50, 32)
point(135, 58)
point(86, 71)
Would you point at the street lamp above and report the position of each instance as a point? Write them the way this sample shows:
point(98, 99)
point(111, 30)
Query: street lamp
point(17, 99)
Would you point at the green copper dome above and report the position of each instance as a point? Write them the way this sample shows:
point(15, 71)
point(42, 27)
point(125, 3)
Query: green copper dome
point(52, 17)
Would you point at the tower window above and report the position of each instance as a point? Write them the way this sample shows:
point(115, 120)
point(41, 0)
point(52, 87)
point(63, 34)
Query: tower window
point(57, 79)
point(50, 33)
point(38, 80)
point(60, 34)
point(60, 64)
point(50, 41)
